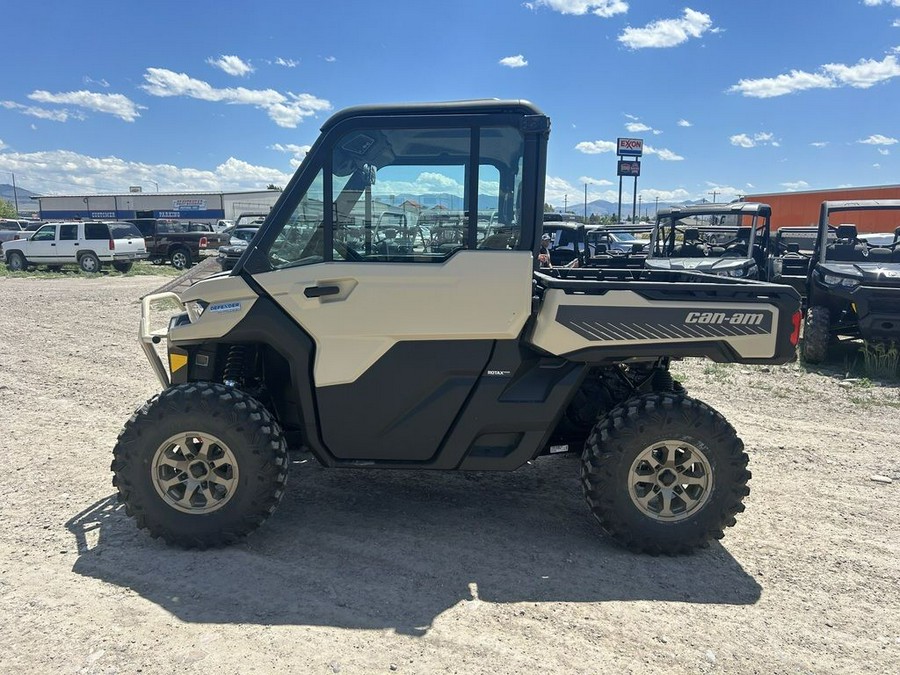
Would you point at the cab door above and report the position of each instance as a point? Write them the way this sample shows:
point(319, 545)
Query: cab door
point(41, 248)
point(67, 244)
point(402, 334)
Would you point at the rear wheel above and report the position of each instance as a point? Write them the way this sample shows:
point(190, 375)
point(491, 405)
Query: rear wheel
point(180, 258)
point(15, 262)
point(89, 263)
point(123, 267)
point(664, 473)
point(816, 334)
point(200, 465)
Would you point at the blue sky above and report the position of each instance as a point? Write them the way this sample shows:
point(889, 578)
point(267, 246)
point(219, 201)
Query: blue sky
point(732, 97)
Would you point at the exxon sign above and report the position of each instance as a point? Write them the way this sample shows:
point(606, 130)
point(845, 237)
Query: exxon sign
point(631, 147)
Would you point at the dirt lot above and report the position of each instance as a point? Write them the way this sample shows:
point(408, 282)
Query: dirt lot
point(366, 572)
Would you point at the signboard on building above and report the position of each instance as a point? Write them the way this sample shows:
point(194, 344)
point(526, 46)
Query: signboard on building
point(629, 168)
point(189, 204)
point(135, 188)
point(630, 147)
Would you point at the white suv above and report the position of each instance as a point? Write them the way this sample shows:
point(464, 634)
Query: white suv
point(89, 245)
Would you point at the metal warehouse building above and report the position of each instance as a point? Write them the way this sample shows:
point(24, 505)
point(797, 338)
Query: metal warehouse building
point(802, 208)
point(195, 206)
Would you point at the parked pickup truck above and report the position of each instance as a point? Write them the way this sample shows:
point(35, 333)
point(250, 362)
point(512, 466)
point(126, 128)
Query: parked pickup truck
point(13, 229)
point(182, 244)
point(446, 354)
point(89, 244)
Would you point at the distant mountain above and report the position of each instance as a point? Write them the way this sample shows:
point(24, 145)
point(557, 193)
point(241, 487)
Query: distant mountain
point(602, 207)
point(23, 196)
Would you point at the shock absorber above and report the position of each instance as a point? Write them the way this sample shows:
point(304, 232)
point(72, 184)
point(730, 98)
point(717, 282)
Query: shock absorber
point(233, 373)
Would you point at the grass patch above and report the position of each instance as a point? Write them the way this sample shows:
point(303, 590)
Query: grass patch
point(139, 269)
point(880, 361)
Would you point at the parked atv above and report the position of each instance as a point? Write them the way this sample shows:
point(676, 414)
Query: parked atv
point(854, 285)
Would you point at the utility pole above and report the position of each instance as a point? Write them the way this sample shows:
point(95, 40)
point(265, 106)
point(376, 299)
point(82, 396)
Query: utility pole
point(640, 206)
point(714, 193)
point(585, 203)
point(656, 210)
point(15, 193)
point(566, 203)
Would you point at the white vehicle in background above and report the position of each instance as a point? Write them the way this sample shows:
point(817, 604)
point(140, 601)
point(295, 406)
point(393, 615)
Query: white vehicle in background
point(89, 244)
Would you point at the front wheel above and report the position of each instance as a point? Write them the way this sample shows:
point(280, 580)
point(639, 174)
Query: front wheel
point(664, 473)
point(200, 465)
point(816, 334)
point(15, 262)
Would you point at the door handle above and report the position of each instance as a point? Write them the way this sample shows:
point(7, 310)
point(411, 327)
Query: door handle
point(75, 244)
point(320, 291)
point(53, 244)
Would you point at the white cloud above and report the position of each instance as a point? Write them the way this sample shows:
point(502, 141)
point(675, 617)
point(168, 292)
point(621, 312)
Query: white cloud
point(667, 32)
point(866, 73)
point(62, 115)
point(896, 23)
point(331, 59)
point(663, 153)
point(2, 144)
point(878, 139)
point(884, 151)
point(796, 185)
point(112, 104)
point(677, 195)
point(819, 144)
point(102, 82)
point(767, 87)
point(286, 110)
point(594, 181)
point(636, 127)
point(747, 141)
point(63, 171)
point(601, 8)
point(517, 61)
point(233, 65)
point(684, 123)
point(599, 147)
point(287, 63)
point(875, 3)
point(298, 151)
point(876, 165)
point(596, 147)
point(724, 193)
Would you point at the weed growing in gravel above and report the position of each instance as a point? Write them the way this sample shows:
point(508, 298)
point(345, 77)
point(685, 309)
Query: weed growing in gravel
point(880, 361)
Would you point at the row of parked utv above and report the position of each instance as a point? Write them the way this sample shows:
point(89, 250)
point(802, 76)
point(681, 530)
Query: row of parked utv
point(848, 277)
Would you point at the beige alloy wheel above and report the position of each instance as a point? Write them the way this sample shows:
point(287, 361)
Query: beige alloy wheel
point(194, 472)
point(670, 480)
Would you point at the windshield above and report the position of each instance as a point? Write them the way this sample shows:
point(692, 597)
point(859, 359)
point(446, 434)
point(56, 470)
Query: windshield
point(124, 231)
point(708, 235)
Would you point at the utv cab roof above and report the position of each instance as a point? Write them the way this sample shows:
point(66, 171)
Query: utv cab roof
point(716, 209)
point(472, 107)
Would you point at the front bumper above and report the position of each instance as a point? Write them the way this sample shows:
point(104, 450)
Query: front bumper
point(149, 338)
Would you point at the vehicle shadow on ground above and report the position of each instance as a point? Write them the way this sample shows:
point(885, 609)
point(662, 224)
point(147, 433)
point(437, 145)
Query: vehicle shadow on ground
point(384, 549)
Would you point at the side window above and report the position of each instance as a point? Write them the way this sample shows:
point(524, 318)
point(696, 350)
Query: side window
point(46, 233)
point(300, 241)
point(68, 232)
point(96, 231)
point(400, 194)
point(501, 151)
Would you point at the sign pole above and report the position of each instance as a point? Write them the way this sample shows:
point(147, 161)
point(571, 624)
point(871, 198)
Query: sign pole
point(634, 202)
point(620, 196)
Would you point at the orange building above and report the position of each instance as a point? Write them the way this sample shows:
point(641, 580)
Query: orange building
point(802, 208)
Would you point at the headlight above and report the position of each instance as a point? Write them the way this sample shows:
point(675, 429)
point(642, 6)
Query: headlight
point(736, 272)
point(836, 280)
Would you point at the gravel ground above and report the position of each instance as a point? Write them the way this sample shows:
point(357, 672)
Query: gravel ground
point(366, 572)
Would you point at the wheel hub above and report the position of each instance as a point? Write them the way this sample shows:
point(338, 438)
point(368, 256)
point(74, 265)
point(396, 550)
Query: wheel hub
point(194, 472)
point(670, 480)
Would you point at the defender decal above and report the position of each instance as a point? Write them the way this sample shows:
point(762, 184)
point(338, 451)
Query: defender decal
point(612, 324)
point(225, 307)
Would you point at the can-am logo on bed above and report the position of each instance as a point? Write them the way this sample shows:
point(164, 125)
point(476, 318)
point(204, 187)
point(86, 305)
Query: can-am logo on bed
point(730, 318)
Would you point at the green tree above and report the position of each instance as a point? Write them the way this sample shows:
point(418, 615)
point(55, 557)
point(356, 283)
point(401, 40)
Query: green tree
point(7, 210)
point(272, 186)
point(548, 208)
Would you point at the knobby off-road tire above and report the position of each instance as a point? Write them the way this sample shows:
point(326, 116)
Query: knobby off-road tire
point(664, 473)
point(816, 334)
point(200, 465)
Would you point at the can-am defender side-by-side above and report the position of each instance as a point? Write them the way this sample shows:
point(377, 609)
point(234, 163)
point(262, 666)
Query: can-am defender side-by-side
point(460, 355)
point(723, 239)
point(854, 285)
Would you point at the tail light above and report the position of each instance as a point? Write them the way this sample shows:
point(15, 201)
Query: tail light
point(795, 335)
point(112, 244)
point(203, 242)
